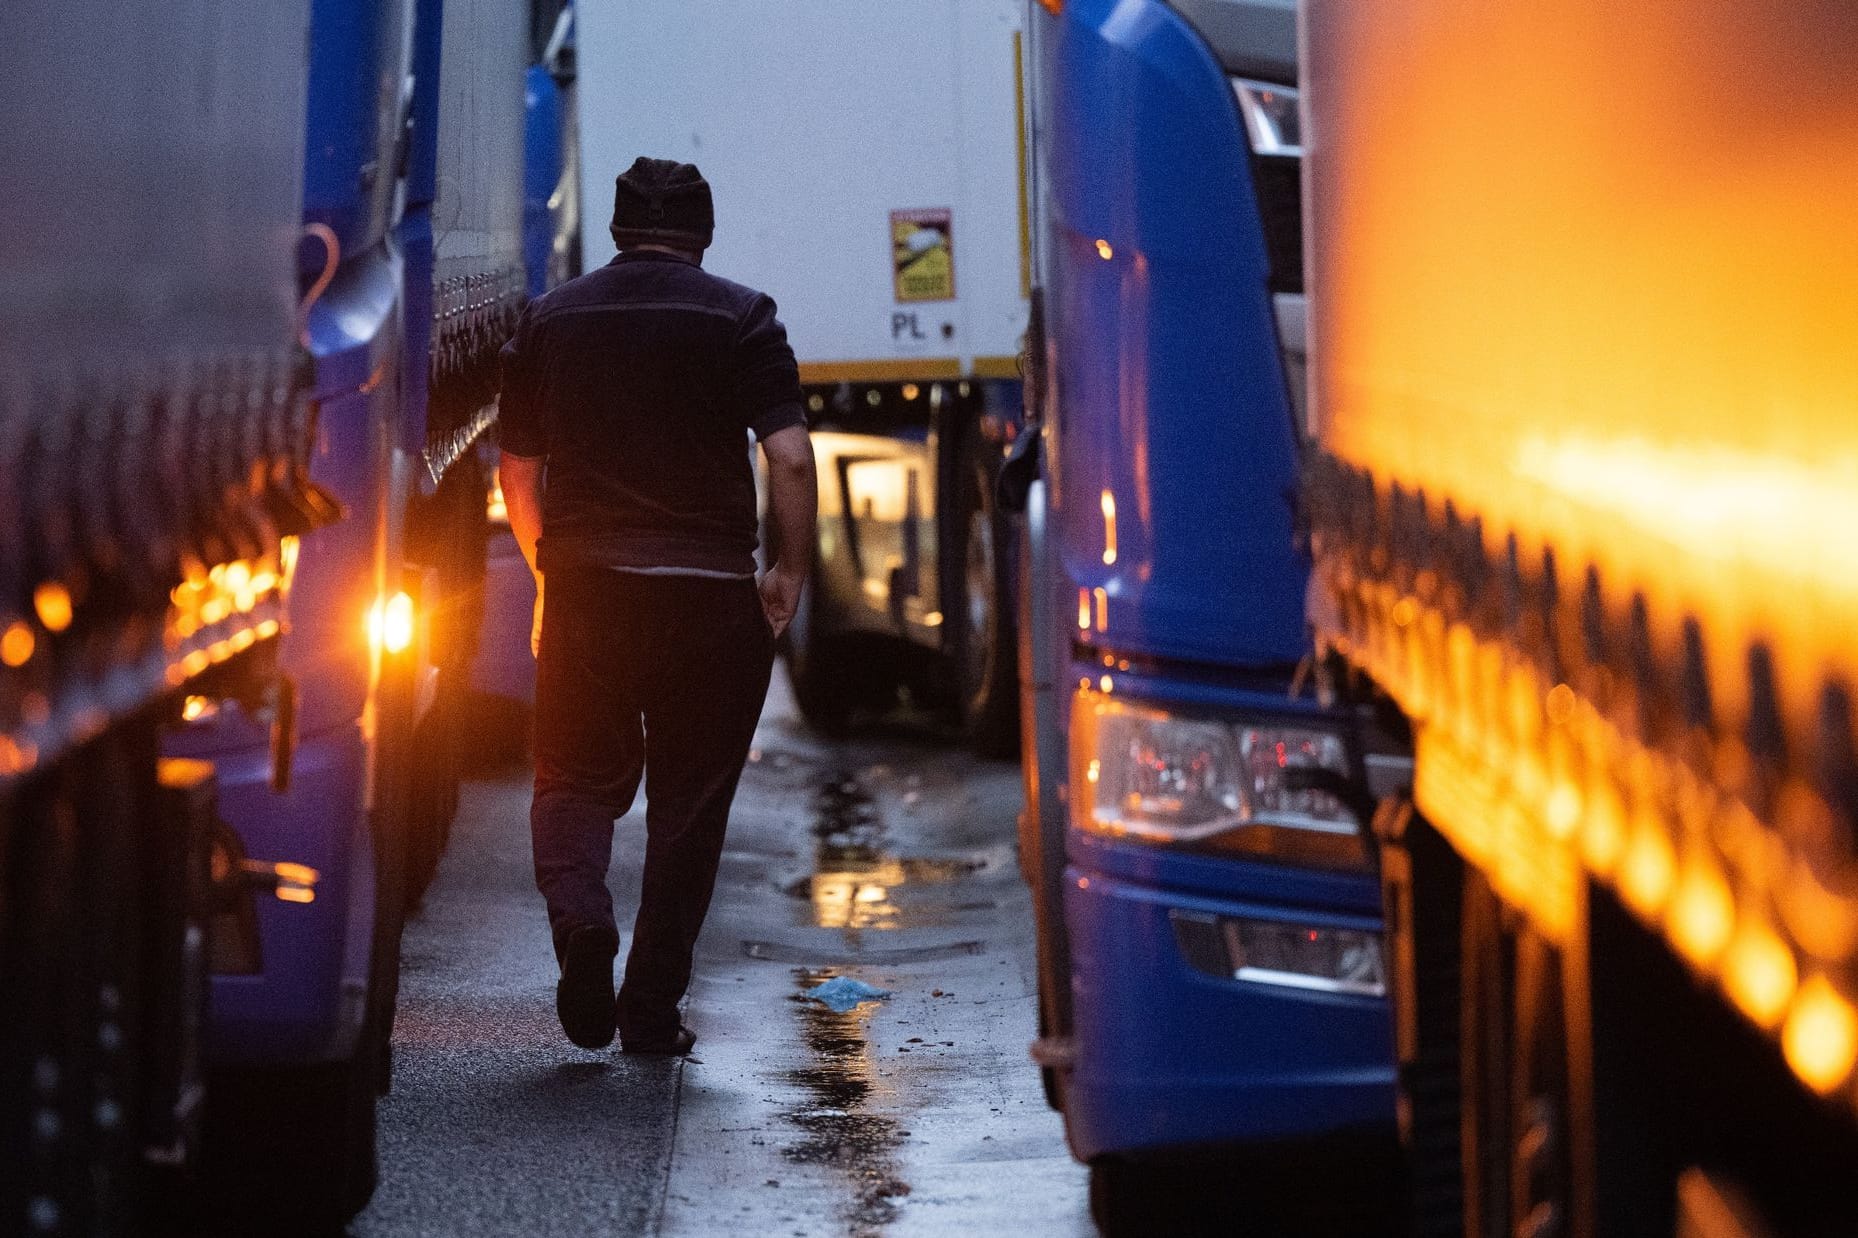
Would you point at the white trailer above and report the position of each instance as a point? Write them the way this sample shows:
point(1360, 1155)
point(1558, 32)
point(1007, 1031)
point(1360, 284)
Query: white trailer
point(864, 157)
point(868, 172)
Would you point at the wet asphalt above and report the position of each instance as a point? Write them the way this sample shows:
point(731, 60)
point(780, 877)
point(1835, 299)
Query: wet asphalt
point(888, 860)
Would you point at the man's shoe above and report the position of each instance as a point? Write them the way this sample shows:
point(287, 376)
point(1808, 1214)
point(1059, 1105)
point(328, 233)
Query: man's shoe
point(584, 994)
point(676, 1046)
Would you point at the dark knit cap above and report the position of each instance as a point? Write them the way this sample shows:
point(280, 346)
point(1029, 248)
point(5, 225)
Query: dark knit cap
point(663, 202)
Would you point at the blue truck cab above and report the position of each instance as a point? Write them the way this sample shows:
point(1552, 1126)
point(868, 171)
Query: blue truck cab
point(383, 611)
point(294, 999)
point(305, 965)
point(1209, 912)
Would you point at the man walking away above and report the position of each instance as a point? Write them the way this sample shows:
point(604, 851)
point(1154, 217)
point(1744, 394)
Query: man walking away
point(634, 388)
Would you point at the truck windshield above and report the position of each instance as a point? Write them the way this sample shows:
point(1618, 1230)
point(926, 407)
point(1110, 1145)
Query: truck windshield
point(1252, 38)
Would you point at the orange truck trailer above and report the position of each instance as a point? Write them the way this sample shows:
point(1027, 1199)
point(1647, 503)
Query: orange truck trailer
point(1583, 503)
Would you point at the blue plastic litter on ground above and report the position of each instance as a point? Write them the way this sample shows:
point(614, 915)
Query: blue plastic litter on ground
point(842, 993)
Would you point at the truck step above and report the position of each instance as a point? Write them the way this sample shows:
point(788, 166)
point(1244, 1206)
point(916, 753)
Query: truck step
point(1054, 1052)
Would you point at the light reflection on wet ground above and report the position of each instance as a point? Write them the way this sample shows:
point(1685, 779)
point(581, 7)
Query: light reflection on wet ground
point(842, 1129)
point(857, 883)
point(915, 1117)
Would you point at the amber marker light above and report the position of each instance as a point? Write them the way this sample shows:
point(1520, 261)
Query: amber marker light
point(1603, 836)
point(296, 883)
point(1108, 504)
point(1702, 913)
point(1759, 974)
point(1649, 869)
point(52, 601)
point(1821, 1035)
point(17, 644)
point(1105, 250)
point(1563, 810)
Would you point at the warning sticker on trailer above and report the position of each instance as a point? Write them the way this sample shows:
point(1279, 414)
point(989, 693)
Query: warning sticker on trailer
point(922, 250)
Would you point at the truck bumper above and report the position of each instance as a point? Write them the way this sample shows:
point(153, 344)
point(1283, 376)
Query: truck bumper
point(307, 1001)
point(1169, 1056)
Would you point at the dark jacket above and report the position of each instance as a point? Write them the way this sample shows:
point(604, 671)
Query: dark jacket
point(639, 383)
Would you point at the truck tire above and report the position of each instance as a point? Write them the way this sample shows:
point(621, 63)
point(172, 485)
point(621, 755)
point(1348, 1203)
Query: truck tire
point(1288, 1191)
point(294, 1146)
point(818, 666)
point(980, 640)
point(1128, 1200)
point(435, 775)
point(305, 1134)
point(1136, 1199)
point(449, 531)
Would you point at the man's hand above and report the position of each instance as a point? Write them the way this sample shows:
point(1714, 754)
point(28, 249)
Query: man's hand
point(793, 500)
point(535, 627)
point(780, 597)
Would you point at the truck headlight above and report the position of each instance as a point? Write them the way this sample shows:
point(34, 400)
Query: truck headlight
point(1269, 754)
point(1154, 775)
point(1143, 772)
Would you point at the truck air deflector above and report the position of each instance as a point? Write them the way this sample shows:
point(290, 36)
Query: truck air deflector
point(1251, 38)
point(1157, 251)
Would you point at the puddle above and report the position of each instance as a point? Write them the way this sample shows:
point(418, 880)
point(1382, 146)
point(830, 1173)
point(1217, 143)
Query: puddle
point(855, 879)
point(791, 952)
point(838, 1125)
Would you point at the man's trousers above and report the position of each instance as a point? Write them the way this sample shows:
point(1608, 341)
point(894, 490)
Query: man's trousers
point(652, 675)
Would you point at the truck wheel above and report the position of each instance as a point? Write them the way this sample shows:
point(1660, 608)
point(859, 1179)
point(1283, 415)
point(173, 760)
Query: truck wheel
point(305, 1135)
point(294, 1146)
point(817, 664)
point(1132, 1199)
point(980, 638)
point(433, 791)
point(1121, 1197)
